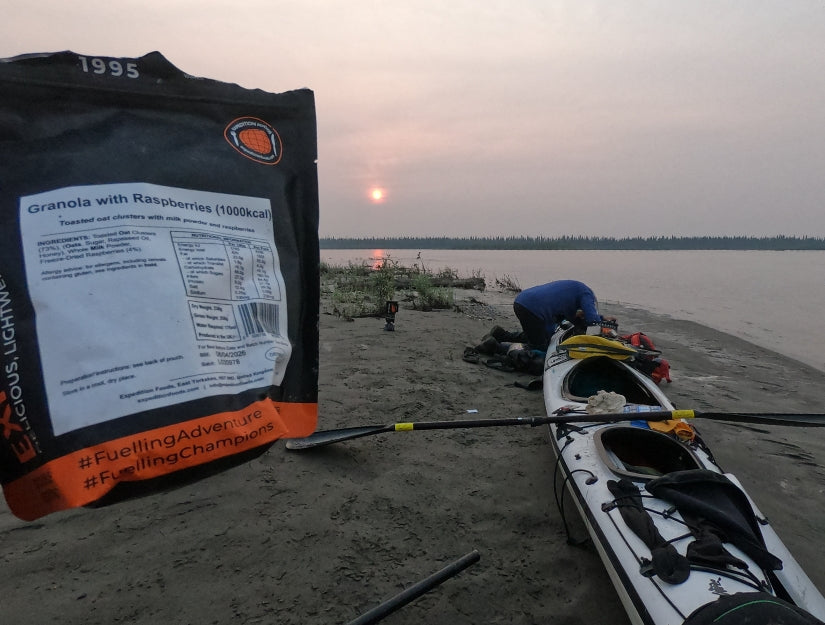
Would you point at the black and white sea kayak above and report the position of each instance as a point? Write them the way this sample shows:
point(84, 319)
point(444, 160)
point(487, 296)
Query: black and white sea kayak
point(682, 541)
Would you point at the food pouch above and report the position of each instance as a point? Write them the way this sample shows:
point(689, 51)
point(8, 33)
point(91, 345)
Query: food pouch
point(158, 276)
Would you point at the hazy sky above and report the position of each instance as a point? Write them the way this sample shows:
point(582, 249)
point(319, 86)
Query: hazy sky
point(512, 117)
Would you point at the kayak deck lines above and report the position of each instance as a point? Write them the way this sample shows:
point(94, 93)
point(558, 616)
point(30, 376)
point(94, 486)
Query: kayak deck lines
point(611, 508)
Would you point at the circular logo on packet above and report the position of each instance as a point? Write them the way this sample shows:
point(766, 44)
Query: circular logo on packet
point(255, 139)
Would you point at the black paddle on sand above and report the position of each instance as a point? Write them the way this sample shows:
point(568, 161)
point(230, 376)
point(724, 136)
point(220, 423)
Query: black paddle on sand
point(413, 592)
point(328, 437)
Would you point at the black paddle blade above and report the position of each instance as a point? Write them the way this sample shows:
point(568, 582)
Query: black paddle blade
point(768, 418)
point(328, 437)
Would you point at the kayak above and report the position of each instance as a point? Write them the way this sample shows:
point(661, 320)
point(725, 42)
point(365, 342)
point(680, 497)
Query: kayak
point(682, 541)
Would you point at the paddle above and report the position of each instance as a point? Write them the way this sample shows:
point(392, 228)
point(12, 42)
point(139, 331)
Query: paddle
point(417, 590)
point(585, 346)
point(328, 437)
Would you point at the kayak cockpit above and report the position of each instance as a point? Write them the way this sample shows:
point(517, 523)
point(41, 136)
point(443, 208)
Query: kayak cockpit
point(599, 373)
point(639, 454)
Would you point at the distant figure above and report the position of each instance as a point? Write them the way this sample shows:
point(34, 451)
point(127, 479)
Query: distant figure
point(419, 256)
point(540, 309)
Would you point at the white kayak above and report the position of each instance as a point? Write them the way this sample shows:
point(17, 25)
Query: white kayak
point(699, 551)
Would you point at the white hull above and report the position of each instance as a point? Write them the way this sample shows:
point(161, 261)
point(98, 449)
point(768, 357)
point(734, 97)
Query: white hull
point(584, 464)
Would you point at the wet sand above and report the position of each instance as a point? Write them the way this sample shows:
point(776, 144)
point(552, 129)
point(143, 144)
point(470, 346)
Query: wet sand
point(322, 536)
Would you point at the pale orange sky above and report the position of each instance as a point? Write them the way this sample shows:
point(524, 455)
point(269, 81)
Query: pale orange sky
point(612, 117)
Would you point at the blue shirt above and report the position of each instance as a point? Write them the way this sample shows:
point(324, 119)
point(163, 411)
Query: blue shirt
point(556, 301)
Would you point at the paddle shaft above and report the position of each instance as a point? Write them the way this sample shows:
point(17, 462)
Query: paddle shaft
point(407, 426)
point(656, 415)
point(415, 591)
point(463, 423)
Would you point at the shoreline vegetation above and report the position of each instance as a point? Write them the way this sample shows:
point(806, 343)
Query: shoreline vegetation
point(771, 243)
point(363, 289)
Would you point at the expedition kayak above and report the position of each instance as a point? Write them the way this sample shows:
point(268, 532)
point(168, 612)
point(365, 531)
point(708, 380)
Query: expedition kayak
point(682, 541)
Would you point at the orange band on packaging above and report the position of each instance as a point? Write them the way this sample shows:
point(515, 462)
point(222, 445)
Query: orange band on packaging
point(84, 476)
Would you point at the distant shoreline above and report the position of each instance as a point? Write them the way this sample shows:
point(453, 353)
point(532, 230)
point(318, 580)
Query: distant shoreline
point(772, 243)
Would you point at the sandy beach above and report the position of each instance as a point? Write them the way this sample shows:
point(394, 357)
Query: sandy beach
point(322, 536)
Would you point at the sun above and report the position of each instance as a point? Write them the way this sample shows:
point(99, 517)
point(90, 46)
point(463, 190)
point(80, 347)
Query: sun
point(377, 194)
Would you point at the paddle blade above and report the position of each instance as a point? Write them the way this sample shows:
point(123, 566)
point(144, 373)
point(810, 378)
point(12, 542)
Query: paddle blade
point(328, 437)
point(585, 346)
point(768, 418)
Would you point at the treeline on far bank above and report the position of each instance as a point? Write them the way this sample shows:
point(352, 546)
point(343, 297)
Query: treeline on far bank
point(779, 242)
